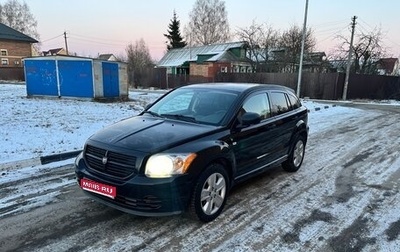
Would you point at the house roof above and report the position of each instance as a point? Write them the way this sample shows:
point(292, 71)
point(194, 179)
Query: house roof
point(106, 56)
point(338, 64)
point(387, 64)
point(9, 33)
point(53, 51)
point(178, 57)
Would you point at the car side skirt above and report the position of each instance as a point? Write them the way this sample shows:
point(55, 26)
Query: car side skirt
point(277, 161)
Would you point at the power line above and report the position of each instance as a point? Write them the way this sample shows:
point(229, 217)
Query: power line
point(332, 23)
point(370, 29)
point(96, 41)
point(363, 29)
point(336, 33)
point(363, 21)
point(121, 44)
point(51, 38)
point(335, 29)
point(97, 38)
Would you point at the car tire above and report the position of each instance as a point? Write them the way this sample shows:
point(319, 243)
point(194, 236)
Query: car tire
point(210, 193)
point(296, 156)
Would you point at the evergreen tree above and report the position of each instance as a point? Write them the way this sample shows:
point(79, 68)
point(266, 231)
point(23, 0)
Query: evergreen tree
point(174, 35)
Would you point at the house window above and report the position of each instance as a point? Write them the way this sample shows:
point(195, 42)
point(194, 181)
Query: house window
point(4, 61)
point(3, 52)
point(224, 69)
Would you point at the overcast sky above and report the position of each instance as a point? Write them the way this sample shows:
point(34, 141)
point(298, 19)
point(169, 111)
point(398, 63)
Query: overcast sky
point(107, 26)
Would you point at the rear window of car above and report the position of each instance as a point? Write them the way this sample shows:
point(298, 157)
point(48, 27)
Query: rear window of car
point(294, 101)
point(279, 103)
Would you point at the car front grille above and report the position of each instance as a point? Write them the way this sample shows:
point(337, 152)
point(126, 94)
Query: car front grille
point(148, 203)
point(109, 162)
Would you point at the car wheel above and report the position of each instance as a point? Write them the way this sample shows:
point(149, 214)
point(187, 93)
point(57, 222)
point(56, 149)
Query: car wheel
point(210, 193)
point(293, 163)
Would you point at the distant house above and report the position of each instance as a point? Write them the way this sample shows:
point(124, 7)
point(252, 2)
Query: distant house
point(388, 66)
point(14, 46)
point(267, 60)
point(315, 62)
point(54, 52)
point(107, 57)
point(208, 60)
point(276, 60)
point(338, 66)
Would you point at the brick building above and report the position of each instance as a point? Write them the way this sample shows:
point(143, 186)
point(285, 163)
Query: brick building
point(14, 46)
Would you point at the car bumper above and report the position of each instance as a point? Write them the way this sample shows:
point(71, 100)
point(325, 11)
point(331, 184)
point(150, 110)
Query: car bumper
point(141, 195)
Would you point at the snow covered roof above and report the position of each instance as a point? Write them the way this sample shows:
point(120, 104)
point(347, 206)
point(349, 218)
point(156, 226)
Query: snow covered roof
point(178, 57)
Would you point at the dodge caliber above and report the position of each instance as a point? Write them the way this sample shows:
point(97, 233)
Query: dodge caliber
point(186, 151)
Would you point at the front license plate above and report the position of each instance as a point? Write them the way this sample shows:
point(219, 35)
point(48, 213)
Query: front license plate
point(99, 188)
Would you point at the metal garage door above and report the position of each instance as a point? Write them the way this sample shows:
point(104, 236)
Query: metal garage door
point(110, 79)
point(76, 78)
point(41, 77)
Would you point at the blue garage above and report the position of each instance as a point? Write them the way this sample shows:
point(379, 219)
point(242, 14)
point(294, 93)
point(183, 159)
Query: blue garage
point(75, 77)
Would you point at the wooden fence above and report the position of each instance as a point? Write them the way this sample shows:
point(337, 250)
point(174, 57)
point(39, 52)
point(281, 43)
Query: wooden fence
point(327, 86)
point(12, 73)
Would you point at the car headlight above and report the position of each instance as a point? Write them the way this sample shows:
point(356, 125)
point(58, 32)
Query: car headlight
point(166, 165)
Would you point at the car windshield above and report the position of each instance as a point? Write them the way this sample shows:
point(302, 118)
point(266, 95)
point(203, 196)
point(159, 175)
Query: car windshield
point(195, 105)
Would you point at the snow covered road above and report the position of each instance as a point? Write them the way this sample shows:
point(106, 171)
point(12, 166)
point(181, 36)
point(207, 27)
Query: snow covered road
point(344, 198)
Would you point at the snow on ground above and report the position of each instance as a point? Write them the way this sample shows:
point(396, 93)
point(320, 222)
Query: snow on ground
point(35, 127)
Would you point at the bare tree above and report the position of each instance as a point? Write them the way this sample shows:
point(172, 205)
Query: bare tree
point(367, 50)
point(261, 40)
point(291, 41)
point(208, 23)
point(19, 17)
point(139, 63)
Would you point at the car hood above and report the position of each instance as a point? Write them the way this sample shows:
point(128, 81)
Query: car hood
point(150, 134)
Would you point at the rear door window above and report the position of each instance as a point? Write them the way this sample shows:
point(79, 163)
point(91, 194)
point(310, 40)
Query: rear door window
point(279, 103)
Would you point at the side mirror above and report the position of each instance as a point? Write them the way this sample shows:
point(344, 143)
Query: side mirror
point(250, 118)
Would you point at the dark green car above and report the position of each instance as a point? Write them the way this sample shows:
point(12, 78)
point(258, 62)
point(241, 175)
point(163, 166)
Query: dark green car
point(191, 146)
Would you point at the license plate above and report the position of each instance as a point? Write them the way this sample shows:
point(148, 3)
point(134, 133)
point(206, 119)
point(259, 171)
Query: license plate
point(99, 188)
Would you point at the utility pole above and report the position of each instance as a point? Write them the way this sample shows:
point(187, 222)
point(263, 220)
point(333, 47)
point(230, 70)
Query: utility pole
point(66, 44)
point(302, 51)
point(346, 82)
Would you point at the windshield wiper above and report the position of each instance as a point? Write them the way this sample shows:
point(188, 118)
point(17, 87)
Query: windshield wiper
point(180, 117)
point(151, 113)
